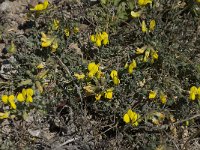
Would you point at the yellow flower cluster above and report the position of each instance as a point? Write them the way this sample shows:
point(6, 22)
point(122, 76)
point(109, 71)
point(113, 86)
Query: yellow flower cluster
point(163, 97)
point(67, 33)
point(48, 41)
point(132, 117)
point(89, 89)
point(9, 100)
point(137, 14)
point(194, 93)
point(151, 26)
point(108, 94)
point(147, 54)
point(131, 66)
point(144, 2)
point(152, 94)
point(93, 71)
point(40, 7)
point(25, 95)
point(100, 38)
point(114, 76)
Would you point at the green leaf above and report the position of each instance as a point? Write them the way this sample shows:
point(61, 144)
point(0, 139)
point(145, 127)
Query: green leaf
point(103, 2)
point(116, 2)
point(130, 4)
point(25, 82)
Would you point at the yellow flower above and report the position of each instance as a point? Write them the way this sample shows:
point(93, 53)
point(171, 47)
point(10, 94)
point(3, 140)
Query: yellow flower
point(98, 97)
point(152, 25)
point(152, 94)
point(135, 123)
point(100, 38)
point(109, 93)
point(11, 98)
point(24, 92)
point(144, 27)
point(193, 92)
point(105, 41)
point(135, 14)
point(126, 118)
point(93, 38)
point(144, 2)
point(139, 50)
point(154, 54)
point(29, 92)
point(4, 115)
point(41, 6)
point(192, 96)
point(99, 74)
point(55, 25)
point(41, 65)
point(198, 1)
point(93, 69)
point(198, 93)
point(13, 105)
point(130, 114)
point(114, 76)
point(116, 81)
point(134, 117)
point(132, 66)
point(79, 76)
point(54, 45)
point(20, 97)
point(104, 35)
point(29, 99)
point(90, 74)
point(4, 99)
point(163, 98)
point(66, 32)
point(46, 41)
point(76, 30)
point(98, 42)
point(126, 66)
point(113, 73)
point(49, 41)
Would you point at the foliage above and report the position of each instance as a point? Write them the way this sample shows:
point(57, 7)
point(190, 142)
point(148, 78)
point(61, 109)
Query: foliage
point(129, 68)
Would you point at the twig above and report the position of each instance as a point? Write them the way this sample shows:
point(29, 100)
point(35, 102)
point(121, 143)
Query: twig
point(190, 138)
point(190, 118)
point(172, 141)
point(69, 73)
point(67, 142)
